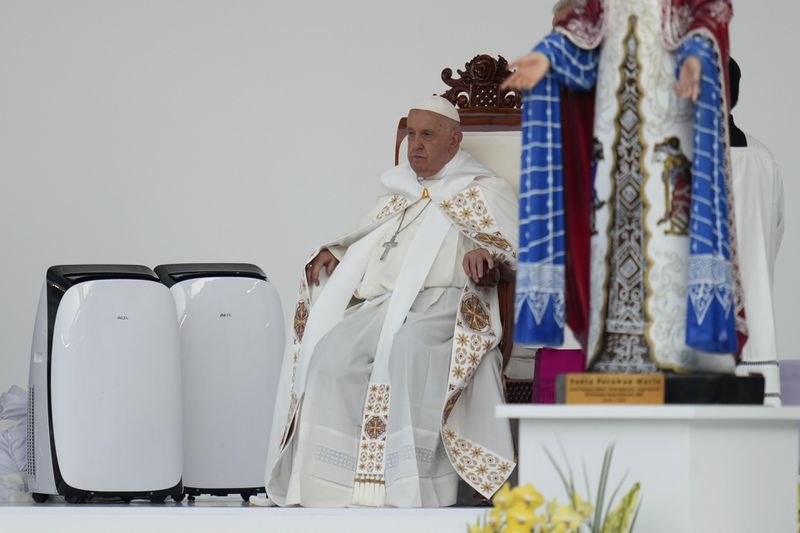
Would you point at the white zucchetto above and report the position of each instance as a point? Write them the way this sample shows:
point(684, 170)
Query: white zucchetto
point(438, 105)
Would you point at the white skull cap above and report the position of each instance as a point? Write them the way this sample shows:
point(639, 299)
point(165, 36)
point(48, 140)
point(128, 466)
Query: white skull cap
point(438, 105)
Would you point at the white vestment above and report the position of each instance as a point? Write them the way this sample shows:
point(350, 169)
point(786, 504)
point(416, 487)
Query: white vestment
point(390, 400)
point(758, 193)
point(380, 275)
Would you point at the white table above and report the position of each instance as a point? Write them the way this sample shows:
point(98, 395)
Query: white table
point(702, 468)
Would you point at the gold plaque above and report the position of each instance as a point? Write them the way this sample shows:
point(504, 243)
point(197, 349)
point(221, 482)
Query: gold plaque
point(589, 388)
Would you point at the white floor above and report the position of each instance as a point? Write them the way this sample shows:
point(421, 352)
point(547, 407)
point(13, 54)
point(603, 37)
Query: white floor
point(219, 515)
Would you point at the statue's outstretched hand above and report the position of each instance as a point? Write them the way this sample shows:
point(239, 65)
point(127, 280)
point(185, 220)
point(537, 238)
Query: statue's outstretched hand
point(479, 266)
point(688, 85)
point(531, 68)
point(325, 259)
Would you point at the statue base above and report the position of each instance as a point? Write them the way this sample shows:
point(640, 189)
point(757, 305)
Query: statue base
point(725, 389)
point(669, 388)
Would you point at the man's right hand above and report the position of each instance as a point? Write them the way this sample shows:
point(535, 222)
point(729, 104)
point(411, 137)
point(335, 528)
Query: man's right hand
point(325, 259)
point(479, 265)
point(531, 68)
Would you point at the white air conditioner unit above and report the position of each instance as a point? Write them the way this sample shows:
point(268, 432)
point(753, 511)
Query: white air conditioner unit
point(105, 387)
point(232, 340)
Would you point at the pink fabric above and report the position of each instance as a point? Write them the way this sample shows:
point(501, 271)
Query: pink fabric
point(549, 364)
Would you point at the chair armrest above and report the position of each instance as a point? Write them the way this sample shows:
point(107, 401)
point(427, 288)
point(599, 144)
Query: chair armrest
point(506, 296)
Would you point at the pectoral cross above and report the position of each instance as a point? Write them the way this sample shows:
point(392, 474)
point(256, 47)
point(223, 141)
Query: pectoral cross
point(388, 245)
point(392, 243)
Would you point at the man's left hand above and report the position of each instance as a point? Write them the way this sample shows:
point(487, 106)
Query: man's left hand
point(479, 266)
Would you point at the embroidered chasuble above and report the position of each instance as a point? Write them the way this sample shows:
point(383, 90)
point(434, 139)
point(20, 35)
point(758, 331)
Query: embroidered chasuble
point(388, 388)
point(631, 241)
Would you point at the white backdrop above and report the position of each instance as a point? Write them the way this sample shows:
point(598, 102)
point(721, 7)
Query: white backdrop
point(157, 131)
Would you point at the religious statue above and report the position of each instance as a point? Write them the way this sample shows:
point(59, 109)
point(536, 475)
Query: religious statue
point(627, 229)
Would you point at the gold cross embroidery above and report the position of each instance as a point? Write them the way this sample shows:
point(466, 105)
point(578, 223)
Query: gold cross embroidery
point(474, 313)
point(374, 427)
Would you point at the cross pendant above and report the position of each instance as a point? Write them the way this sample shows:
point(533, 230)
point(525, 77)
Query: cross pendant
point(388, 245)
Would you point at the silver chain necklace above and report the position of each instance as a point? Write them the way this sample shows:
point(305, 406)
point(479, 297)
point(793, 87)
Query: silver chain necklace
point(391, 243)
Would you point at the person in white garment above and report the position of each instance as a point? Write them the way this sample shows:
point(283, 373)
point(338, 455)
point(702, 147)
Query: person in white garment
point(758, 193)
point(389, 386)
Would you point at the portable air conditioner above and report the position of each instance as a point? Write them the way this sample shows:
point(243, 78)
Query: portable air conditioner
point(232, 336)
point(104, 403)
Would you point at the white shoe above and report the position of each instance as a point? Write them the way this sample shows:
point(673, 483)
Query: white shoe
point(260, 501)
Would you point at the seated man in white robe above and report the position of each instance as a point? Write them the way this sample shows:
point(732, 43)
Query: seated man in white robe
point(388, 391)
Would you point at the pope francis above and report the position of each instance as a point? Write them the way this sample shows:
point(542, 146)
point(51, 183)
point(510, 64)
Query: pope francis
point(389, 384)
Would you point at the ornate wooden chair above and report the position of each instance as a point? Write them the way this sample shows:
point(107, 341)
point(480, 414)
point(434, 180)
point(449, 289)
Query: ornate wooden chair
point(490, 121)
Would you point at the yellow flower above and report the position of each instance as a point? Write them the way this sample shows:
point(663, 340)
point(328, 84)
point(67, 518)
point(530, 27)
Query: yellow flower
point(496, 515)
point(521, 518)
point(487, 523)
point(478, 529)
point(512, 528)
point(494, 519)
point(583, 508)
point(619, 519)
point(567, 516)
point(528, 494)
point(552, 505)
point(504, 499)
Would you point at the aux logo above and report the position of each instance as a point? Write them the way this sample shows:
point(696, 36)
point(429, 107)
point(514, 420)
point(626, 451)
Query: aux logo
point(224, 315)
point(122, 317)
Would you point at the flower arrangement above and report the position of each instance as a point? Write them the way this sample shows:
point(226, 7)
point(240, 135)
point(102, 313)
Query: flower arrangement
point(524, 509)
